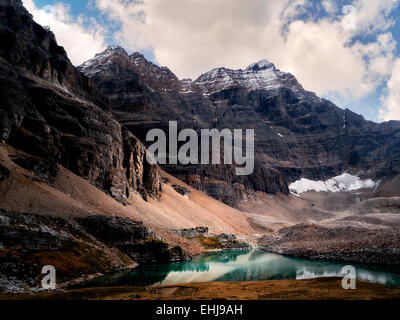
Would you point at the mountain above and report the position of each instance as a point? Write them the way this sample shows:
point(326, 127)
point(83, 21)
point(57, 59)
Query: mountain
point(262, 75)
point(157, 78)
point(75, 189)
point(76, 192)
point(298, 134)
point(54, 113)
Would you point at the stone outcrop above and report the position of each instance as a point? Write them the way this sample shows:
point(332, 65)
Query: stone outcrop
point(211, 241)
point(75, 247)
point(141, 176)
point(132, 238)
point(230, 242)
point(181, 190)
point(28, 242)
point(193, 232)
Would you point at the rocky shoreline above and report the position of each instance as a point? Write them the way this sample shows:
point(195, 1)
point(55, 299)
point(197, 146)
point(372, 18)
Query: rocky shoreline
point(210, 241)
point(351, 245)
point(77, 248)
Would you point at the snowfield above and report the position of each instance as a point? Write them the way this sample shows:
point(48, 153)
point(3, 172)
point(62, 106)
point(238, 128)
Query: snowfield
point(342, 183)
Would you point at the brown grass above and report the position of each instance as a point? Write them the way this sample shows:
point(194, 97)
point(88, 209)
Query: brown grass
point(315, 289)
point(210, 242)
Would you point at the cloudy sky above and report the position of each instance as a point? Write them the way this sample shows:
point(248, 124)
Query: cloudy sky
point(344, 50)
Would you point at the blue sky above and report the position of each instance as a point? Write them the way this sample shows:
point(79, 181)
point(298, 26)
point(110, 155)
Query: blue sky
point(357, 68)
point(89, 9)
point(77, 6)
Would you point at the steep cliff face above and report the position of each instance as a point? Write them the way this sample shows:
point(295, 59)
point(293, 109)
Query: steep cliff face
point(297, 133)
point(56, 115)
point(301, 135)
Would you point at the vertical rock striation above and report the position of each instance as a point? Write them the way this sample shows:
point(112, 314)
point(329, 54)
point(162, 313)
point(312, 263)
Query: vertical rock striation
point(54, 113)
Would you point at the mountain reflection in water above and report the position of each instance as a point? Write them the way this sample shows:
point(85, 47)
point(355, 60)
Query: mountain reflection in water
point(251, 265)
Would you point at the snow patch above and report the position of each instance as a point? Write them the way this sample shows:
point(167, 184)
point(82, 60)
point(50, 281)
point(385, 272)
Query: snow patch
point(344, 182)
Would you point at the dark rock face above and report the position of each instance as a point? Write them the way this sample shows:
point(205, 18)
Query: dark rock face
point(140, 175)
point(181, 190)
point(54, 113)
point(115, 230)
point(297, 133)
point(4, 173)
point(132, 238)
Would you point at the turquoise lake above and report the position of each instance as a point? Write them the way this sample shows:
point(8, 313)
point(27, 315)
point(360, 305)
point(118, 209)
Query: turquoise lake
point(254, 265)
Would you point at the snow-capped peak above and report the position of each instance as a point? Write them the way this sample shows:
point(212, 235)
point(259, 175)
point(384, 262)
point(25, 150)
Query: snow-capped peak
point(262, 64)
point(110, 52)
point(111, 55)
point(114, 47)
point(154, 76)
point(262, 75)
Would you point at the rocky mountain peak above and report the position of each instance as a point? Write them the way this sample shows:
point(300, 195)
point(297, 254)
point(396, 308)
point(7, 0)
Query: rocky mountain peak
point(111, 55)
point(261, 65)
point(262, 75)
point(115, 49)
point(138, 59)
point(114, 54)
point(154, 76)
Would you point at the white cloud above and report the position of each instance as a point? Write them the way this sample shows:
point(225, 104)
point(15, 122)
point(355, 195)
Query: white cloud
point(391, 102)
point(82, 38)
point(372, 15)
point(133, 34)
point(319, 57)
point(193, 36)
point(379, 55)
point(329, 6)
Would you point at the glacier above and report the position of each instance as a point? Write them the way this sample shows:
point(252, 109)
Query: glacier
point(342, 183)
